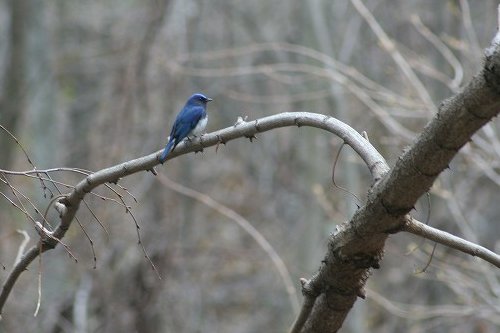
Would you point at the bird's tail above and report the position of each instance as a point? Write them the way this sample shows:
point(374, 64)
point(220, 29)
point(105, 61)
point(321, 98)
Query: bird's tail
point(166, 151)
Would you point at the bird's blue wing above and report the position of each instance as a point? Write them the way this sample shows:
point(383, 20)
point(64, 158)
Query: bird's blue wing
point(186, 121)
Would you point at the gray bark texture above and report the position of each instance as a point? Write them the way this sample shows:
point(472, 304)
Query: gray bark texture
point(358, 246)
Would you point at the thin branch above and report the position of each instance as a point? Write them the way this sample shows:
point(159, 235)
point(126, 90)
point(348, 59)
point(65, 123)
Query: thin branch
point(18, 143)
point(36, 171)
point(444, 50)
point(91, 242)
point(363, 94)
point(428, 263)
point(442, 237)
point(337, 157)
point(96, 218)
point(14, 192)
point(469, 28)
point(390, 47)
point(17, 206)
point(326, 60)
point(245, 225)
point(139, 241)
point(87, 235)
point(44, 187)
point(418, 312)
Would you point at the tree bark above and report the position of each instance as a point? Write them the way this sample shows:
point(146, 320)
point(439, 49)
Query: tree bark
point(358, 245)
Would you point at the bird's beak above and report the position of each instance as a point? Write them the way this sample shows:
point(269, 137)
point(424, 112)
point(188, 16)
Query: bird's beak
point(209, 99)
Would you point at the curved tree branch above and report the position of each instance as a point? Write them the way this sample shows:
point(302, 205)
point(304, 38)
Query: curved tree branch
point(68, 205)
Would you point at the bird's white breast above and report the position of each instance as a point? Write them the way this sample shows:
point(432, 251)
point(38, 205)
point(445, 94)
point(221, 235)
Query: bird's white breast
point(200, 127)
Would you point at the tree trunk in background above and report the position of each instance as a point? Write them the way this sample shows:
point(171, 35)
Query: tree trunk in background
point(41, 108)
point(12, 101)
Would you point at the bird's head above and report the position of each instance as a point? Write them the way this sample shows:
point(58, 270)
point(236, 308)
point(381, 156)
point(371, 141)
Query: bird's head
point(198, 99)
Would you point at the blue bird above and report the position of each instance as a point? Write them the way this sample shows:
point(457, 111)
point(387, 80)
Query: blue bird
point(191, 121)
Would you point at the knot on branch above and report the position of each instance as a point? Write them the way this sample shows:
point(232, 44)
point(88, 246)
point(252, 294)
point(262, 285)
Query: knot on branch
point(366, 260)
point(360, 260)
point(297, 121)
point(309, 289)
point(60, 208)
point(46, 236)
point(394, 210)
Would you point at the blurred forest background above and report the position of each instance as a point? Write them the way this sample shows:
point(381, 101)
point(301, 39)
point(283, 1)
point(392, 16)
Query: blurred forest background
point(89, 84)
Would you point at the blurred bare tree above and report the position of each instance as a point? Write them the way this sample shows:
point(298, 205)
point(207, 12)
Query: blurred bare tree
point(88, 85)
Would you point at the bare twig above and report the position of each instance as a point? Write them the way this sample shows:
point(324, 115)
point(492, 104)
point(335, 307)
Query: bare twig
point(15, 192)
point(458, 70)
point(442, 237)
point(91, 242)
point(327, 62)
point(417, 312)
point(18, 143)
point(428, 263)
point(96, 218)
point(390, 47)
point(333, 174)
point(44, 187)
point(469, 28)
point(363, 94)
point(245, 225)
point(427, 219)
point(141, 244)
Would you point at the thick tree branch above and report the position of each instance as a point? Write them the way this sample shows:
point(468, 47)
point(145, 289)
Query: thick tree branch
point(358, 245)
point(68, 206)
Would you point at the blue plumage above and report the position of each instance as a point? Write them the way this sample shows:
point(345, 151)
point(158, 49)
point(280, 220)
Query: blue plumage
point(192, 120)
